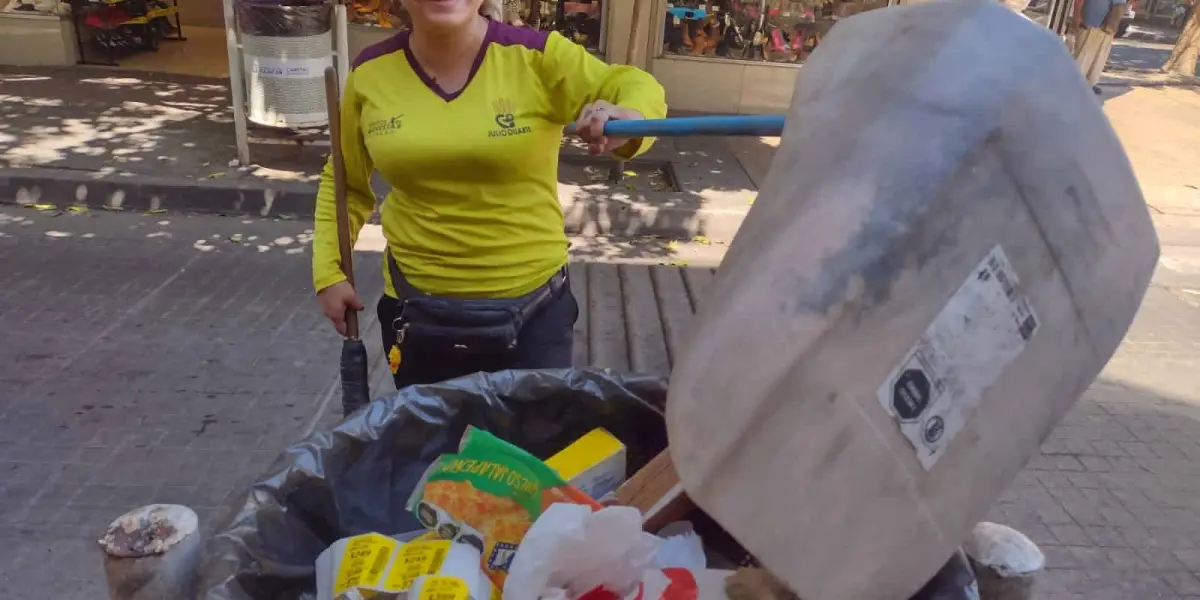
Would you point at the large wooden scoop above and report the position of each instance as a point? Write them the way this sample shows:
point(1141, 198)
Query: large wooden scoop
point(949, 247)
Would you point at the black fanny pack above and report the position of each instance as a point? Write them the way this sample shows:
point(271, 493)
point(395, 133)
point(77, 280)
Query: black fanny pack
point(465, 326)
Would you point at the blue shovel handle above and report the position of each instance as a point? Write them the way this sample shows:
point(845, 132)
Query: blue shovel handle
point(753, 125)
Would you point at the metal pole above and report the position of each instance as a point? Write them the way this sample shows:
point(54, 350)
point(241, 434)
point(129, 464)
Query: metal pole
point(237, 83)
point(604, 20)
point(617, 172)
point(635, 31)
point(152, 553)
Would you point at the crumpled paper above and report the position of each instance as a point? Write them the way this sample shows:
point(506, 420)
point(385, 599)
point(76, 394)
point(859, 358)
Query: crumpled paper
point(681, 548)
point(571, 550)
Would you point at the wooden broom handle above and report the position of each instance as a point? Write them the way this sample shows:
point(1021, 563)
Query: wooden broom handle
point(345, 248)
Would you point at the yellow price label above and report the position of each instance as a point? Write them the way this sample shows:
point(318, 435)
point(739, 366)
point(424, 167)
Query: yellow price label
point(415, 560)
point(364, 561)
point(442, 587)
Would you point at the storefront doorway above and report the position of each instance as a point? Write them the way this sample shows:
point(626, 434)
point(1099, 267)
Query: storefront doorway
point(739, 56)
point(184, 37)
point(743, 56)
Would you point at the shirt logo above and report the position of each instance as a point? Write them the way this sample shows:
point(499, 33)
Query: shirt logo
point(506, 121)
point(384, 126)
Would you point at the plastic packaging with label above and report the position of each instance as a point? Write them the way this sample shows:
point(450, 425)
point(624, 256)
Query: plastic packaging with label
point(365, 566)
point(594, 463)
point(488, 495)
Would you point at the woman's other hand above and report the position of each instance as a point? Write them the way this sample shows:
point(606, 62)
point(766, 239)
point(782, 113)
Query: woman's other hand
point(335, 300)
point(590, 125)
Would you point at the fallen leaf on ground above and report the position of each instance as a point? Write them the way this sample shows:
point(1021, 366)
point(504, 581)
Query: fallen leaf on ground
point(673, 245)
point(216, 175)
point(156, 211)
point(43, 207)
point(699, 239)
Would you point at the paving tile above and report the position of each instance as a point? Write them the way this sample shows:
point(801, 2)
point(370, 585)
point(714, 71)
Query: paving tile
point(1116, 486)
point(139, 405)
point(172, 393)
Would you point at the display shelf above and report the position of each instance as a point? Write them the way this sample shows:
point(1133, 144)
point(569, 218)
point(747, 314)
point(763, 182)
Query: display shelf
point(122, 26)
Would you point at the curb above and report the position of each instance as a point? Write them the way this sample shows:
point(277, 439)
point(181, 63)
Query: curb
point(130, 192)
point(666, 214)
point(1138, 36)
point(1136, 83)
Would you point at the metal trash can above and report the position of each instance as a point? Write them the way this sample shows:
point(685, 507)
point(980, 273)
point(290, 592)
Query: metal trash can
point(287, 46)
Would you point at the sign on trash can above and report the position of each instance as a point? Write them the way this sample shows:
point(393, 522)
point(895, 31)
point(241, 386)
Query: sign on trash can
point(286, 47)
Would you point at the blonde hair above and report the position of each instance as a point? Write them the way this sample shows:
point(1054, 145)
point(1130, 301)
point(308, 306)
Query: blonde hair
point(493, 9)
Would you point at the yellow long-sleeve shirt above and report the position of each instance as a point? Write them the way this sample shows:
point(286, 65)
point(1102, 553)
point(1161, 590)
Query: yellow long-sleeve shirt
point(473, 210)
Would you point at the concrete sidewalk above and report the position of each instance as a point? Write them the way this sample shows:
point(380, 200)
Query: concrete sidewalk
point(138, 141)
point(141, 364)
point(170, 357)
point(1157, 120)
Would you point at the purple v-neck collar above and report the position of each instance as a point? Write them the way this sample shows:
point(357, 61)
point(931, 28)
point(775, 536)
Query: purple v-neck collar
point(488, 37)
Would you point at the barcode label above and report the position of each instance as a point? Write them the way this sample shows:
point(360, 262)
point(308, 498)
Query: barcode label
point(1027, 327)
point(999, 271)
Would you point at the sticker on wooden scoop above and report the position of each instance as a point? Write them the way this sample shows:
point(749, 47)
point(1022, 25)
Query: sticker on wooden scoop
point(985, 325)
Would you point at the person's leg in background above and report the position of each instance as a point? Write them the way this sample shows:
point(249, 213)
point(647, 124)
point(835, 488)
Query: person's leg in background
point(1080, 43)
point(1092, 48)
point(1103, 49)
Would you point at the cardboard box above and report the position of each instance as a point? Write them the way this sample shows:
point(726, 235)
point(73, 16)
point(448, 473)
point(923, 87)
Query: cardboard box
point(595, 463)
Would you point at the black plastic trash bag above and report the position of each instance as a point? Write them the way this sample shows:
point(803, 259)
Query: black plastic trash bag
point(954, 581)
point(357, 478)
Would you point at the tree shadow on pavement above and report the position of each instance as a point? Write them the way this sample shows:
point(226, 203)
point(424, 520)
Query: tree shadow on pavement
point(684, 192)
point(111, 121)
point(1138, 56)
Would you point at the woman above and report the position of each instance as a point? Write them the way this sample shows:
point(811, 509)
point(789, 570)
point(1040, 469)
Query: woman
point(463, 117)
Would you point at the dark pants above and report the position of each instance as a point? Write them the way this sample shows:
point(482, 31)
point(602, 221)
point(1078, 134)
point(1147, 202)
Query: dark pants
point(544, 343)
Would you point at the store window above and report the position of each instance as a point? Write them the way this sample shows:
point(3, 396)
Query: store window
point(1038, 11)
point(778, 31)
point(579, 20)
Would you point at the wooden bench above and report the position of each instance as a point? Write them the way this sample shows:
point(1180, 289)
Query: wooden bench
point(634, 317)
